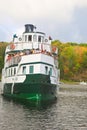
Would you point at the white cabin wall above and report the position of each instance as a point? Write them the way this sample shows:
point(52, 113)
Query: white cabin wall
point(37, 68)
point(42, 68)
point(37, 58)
point(47, 59)
point(30, 58)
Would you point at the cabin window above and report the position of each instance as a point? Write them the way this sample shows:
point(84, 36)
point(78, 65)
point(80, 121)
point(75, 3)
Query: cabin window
point(46, 70)
point(35, 38)
point(24, 70)
point(50, 72)
point(31, 69)
point(11, 71)
point(14, 71)
point(30, 38)
point(25, 38)
point(39, 38)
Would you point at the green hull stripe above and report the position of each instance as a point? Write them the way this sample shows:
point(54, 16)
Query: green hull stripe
point(37, 63)
point(31, 97)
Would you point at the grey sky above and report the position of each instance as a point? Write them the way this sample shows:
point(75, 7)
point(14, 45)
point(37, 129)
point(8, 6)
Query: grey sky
point(65, 20)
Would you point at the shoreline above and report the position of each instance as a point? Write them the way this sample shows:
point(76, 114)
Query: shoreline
point(73, 87)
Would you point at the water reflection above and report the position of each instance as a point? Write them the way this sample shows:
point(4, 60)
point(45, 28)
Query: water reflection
point(69, 112)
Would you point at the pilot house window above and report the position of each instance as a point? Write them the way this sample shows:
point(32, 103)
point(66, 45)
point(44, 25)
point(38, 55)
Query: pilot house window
point(50, 72)
point(24, 70)
point(46, 70)
point(30, 38)
point(31, 69)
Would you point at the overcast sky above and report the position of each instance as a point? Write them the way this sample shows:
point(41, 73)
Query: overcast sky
point(64, 20)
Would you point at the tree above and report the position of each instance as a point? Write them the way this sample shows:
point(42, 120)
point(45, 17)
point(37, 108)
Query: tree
point(84, 60)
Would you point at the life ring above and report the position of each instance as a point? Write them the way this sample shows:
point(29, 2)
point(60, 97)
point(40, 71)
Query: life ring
point(12, 46)
point(53, 49)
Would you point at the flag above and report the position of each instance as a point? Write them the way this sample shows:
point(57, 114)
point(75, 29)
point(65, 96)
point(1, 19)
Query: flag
point(50, 38)
point(15, 36)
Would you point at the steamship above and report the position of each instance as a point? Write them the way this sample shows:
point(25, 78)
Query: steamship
point(30, 67)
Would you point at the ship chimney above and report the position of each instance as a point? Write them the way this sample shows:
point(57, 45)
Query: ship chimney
point(29, 28)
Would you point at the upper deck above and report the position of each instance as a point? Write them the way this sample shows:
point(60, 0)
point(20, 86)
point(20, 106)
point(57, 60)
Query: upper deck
point(30, 39)
point(30, 42)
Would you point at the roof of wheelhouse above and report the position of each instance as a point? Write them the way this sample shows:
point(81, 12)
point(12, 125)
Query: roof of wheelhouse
point(30, 28)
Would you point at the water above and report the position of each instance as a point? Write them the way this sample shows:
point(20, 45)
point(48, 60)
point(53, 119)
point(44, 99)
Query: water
point(68, 113)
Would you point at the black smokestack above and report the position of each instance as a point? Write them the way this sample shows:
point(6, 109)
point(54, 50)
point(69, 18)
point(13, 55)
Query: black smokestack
point(29, 28)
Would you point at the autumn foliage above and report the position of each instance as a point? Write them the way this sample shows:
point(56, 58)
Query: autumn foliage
point(2, 52)
point(72, 59)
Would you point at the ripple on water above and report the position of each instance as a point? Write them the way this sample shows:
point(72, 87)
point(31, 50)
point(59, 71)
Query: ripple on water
point(68, 113)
